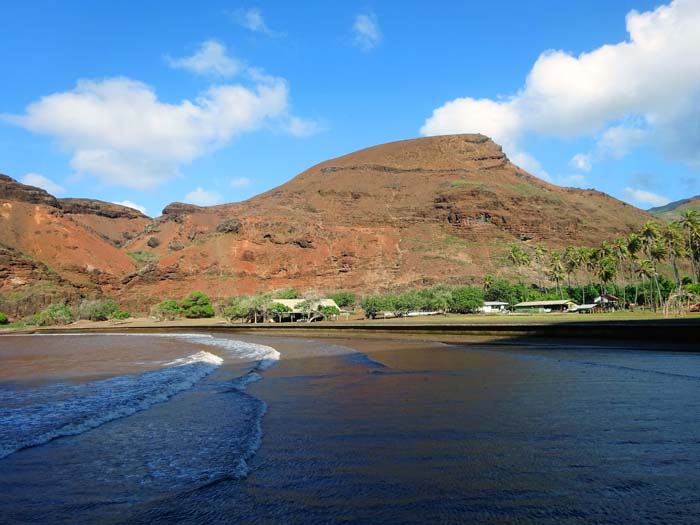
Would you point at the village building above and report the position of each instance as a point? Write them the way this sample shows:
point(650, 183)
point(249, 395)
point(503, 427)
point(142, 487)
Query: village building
point(607, 302)
point(296, 313)
point(564, 305)
point(493, 307)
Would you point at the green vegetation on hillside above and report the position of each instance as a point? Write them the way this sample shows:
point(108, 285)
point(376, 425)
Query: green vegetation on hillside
point(143, 258)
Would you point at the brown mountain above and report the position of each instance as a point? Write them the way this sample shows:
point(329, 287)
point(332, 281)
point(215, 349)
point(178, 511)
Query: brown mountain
point(675, 210)
point(409, 213)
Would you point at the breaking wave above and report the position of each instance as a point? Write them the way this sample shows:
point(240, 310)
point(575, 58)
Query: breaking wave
point(35, 417)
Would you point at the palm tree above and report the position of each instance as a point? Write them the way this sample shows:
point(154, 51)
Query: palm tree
point(690, 222)
point(518, 256)
point(572, 261)
point(585, 255)
point(556, 270)
point(645, 270)
point(607, 270)
point(621, 253)
point(538, 255)
point(650, 236)
point(634, 245)
point(488, 282)
point(673, 242)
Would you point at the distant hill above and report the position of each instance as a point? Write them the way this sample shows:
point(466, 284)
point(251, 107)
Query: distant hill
point(674, 210)
point(409, 213)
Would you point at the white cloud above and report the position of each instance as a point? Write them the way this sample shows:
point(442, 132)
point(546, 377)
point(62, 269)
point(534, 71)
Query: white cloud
point(576, 180)
point(240, 182)
point(653, 77)
point(366, 32)
point(530, 164)
point(299, 127)
point(210, 59)
point(34, 179)
point(133, 205)
point(120, 132)
point(645, 197)
point(617, 141)
point(253, 20)
point(581, 161)
point(201, 197)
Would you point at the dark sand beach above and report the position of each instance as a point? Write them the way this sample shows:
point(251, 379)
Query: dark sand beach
point(364, 430)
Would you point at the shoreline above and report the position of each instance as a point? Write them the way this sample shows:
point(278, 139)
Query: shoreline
point(653, 332)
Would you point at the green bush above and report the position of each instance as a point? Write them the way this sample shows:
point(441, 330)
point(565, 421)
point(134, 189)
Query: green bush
point(237, 308)
point(168, 310)
point(121, 314)
point(278, 310)
point(286, 293)
point(344, 299)
point(54, 314)
point(98, 309)
point(466, 299)
point(328, 312)
point(197, 305)
point(3, 318)
point(374, 305)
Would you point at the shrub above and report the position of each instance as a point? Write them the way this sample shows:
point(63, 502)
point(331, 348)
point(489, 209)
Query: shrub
point(466, 299)
point(54, 314)
point(197, 305)
point(277, 310)
point(229, 226)
point(286, 293)
point(153, 242)
point(167, 310)
point(121, 314)
point(142, 258)
point(329, 312)
point(176, 246)
point(99, 310)
point(3, 318)
point(344, 299)
point(237, 308)
point(374, 305)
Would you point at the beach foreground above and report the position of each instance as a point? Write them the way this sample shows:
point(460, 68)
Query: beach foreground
point(362, 430)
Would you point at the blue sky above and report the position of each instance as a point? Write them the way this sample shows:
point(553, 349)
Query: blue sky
point(158, 102)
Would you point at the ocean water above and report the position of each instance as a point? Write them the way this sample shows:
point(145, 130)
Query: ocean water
point(202, 429)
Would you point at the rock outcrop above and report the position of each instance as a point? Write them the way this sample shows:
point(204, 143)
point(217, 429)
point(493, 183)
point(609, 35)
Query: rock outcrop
point(100, 208)
point(10, 189)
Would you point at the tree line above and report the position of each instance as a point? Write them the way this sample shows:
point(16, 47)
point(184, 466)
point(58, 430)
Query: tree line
point(636, 258)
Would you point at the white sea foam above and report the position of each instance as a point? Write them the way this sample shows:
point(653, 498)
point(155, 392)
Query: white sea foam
point(65, 410)
point(242, 350)
point(33, 417)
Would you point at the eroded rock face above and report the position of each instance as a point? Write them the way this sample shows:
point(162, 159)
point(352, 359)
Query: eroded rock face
point(101, 208)
point(181, 208)
point(152, 273)
point(12, 190)
point(28, 286)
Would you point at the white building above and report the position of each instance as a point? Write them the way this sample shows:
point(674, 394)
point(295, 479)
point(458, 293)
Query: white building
point(493, 307)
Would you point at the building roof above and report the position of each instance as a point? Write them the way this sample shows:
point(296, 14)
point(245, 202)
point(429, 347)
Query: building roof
point(495, 303)
point(293, 304)
point(536, 304)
